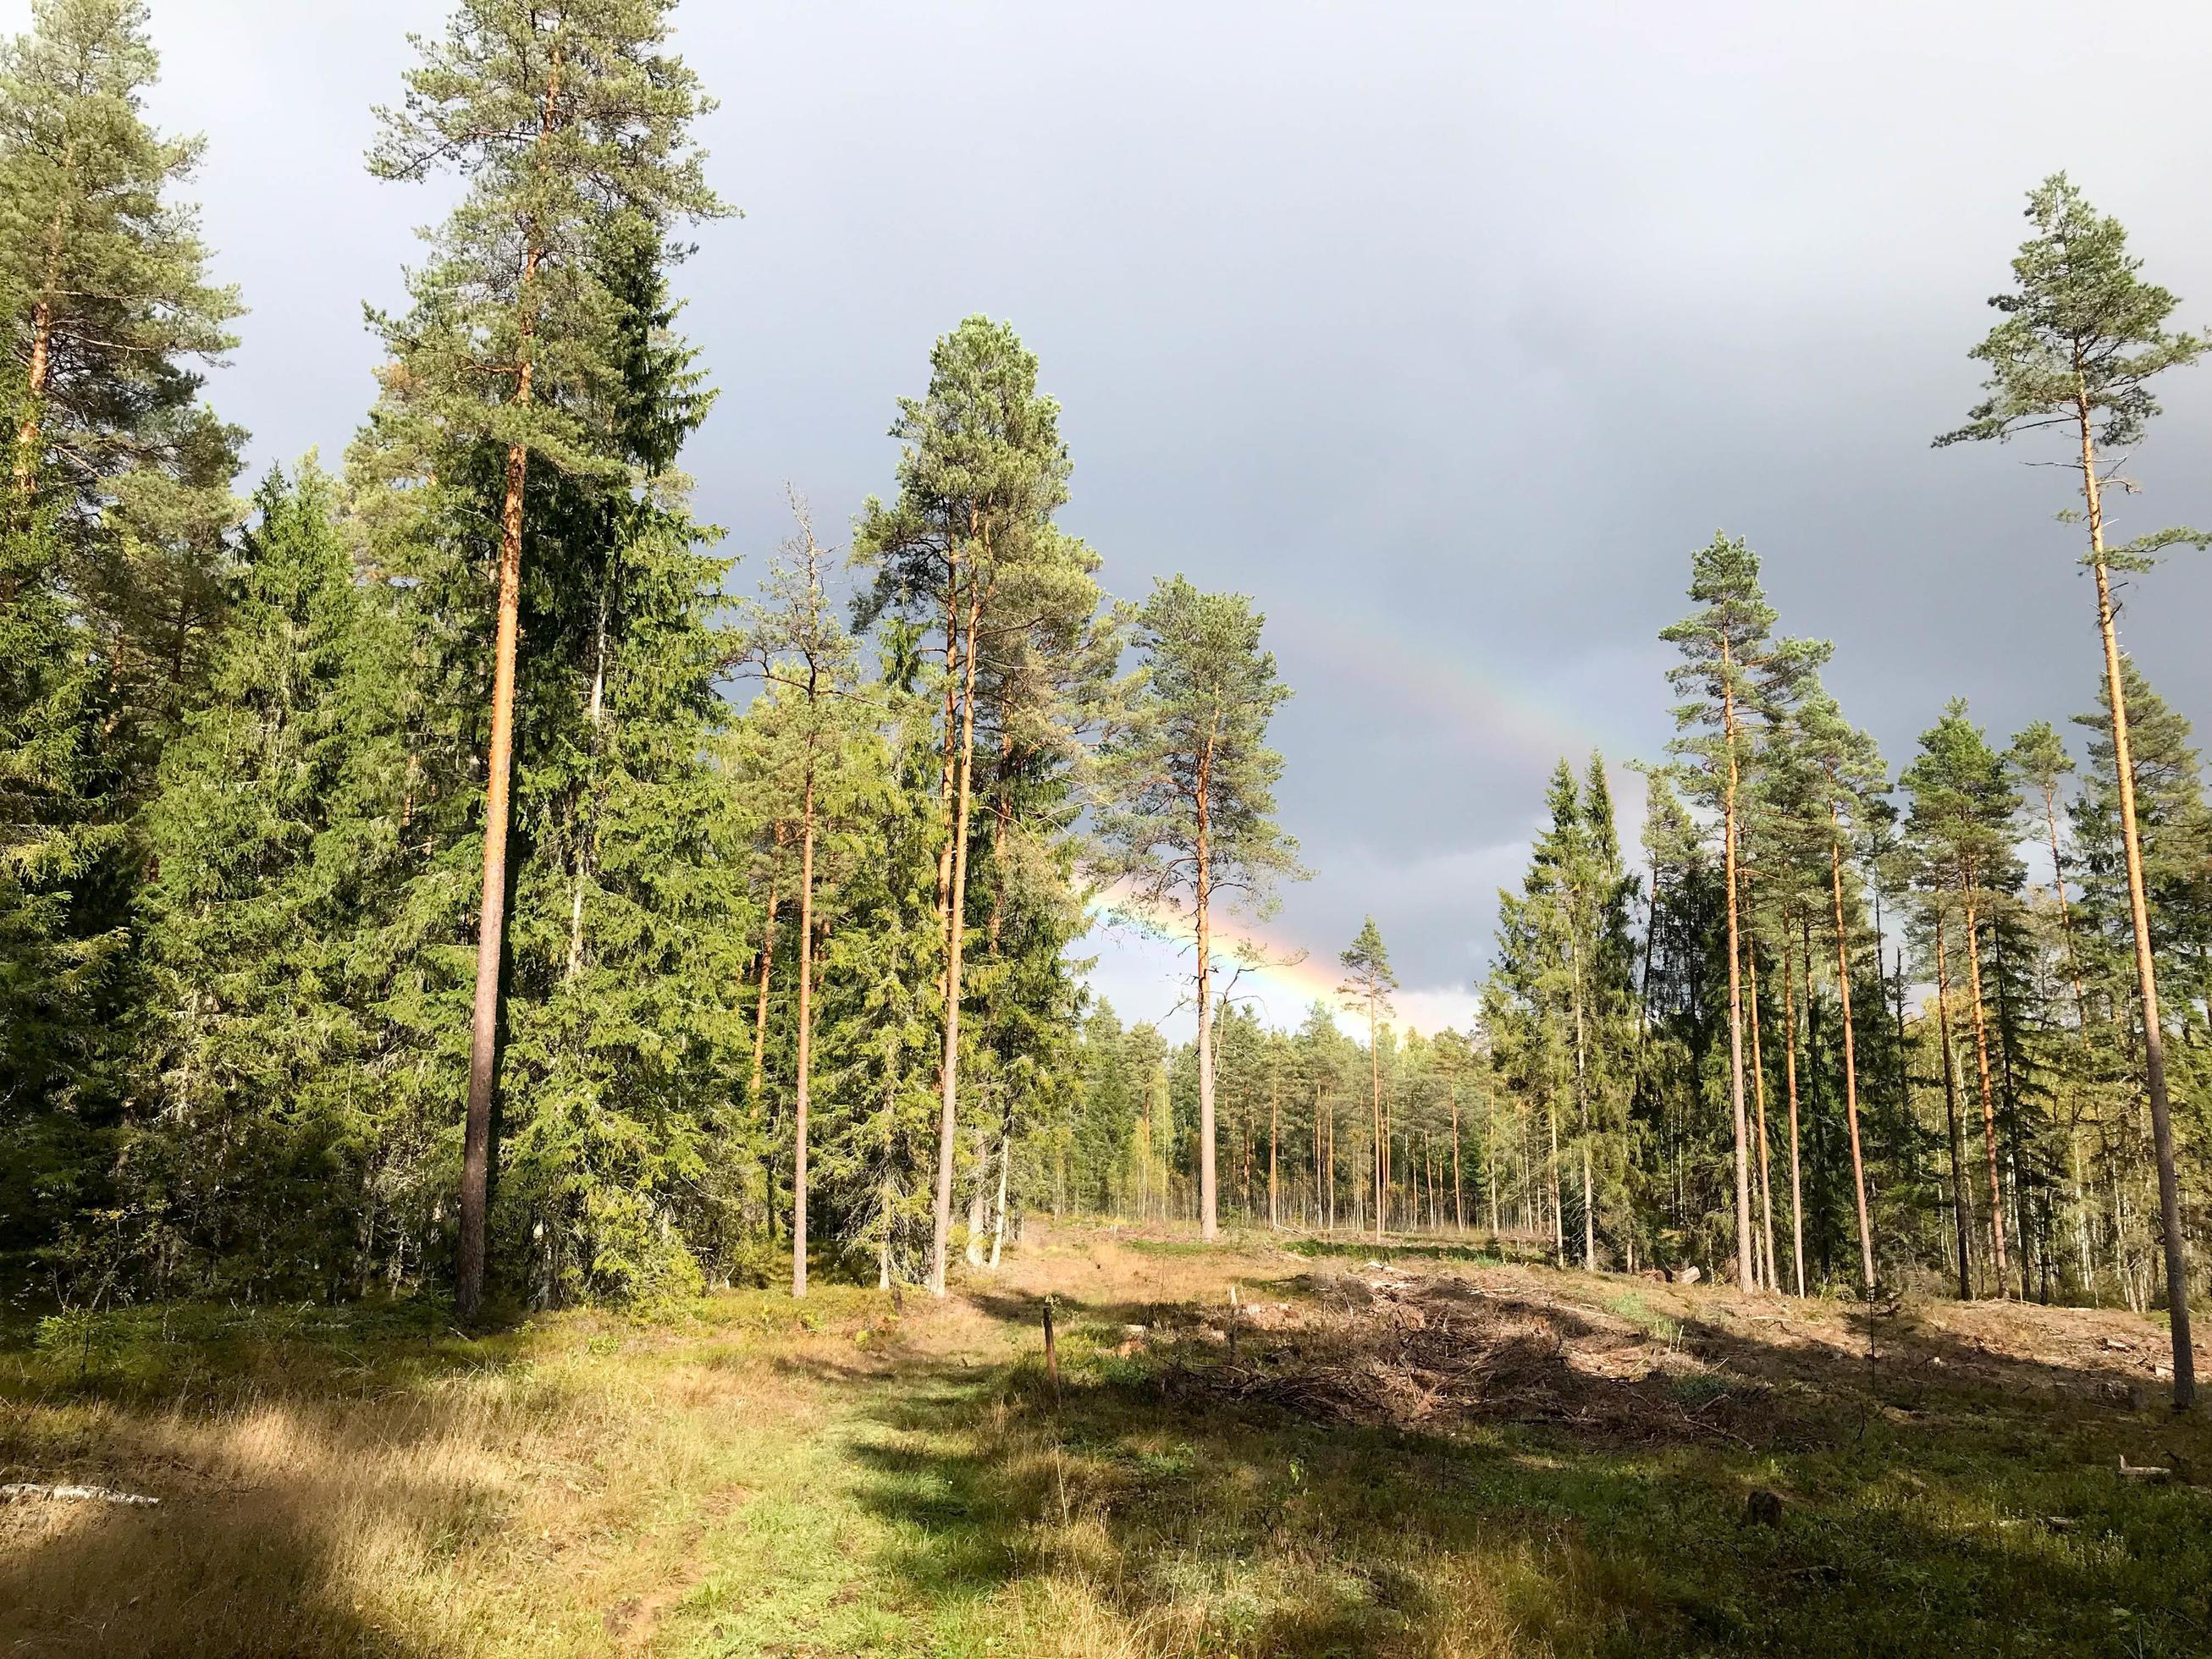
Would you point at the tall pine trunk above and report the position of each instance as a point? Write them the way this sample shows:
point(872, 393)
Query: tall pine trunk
point(491, 925)
point(1208, 1220)
point(1745, 1268)
point(40, 370)
point(1951, 1111)
point(2161, 1118)
point(802, 1090)
point(1850, 1053)
point(1006, 1171)
point(955, 929)
point(1758, 1097)
point(1790, 1076)
point(1982, 1072)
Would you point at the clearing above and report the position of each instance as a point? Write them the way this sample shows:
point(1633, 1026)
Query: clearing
point(1420, 1451)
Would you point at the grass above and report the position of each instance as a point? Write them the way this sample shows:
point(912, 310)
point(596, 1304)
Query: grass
point(903, 1482)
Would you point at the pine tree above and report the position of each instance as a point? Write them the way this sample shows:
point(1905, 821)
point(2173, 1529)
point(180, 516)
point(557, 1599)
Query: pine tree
point(2174, 840)
point(569, 121)
point(114, 567)
point(2083, 338)
point(982, 472)
point(2038, 760)
point(1367, 986)
point(1561, 1003)
point(1193, 782)
point(1850, 775)
point(799, 649)
point(102, 271)
point(1732, 665)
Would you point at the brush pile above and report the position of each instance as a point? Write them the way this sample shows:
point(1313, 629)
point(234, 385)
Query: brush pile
point(1390, 1349)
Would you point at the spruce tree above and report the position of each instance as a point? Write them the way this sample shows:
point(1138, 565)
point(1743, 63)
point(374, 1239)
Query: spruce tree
point(2082, 340)
point(879, 1018)
point(1043, 688)
point(1848, 777)
point(1192, 785)
point(268, 836)
point(61, 945)
point(1963, 807)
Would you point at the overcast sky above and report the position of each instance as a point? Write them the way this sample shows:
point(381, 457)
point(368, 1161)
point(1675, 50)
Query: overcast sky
point(1447, 331)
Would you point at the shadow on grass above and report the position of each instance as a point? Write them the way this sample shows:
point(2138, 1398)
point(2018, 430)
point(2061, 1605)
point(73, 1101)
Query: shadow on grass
point(184, 1579)
point(1144, 1507)
point(288, 1450)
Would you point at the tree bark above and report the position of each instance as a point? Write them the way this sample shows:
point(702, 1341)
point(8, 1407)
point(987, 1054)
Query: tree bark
point(41, 371)
point(1006, 1170)
point(1746, 1270)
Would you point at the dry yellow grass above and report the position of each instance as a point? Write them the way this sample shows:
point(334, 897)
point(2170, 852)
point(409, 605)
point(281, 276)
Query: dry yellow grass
point(531, 1495)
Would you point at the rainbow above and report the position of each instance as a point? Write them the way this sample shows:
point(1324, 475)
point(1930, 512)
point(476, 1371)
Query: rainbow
point(1485, 714)
point(1486, 720)
point(1287, 981)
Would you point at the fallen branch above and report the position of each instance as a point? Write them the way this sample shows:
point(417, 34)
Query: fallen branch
point(20, 1489)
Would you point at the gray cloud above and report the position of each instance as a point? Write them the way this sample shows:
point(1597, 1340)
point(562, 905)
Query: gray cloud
point(1447, 330)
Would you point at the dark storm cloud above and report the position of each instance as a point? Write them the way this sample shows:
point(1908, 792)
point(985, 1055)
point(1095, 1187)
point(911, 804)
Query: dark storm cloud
point(1447, 331)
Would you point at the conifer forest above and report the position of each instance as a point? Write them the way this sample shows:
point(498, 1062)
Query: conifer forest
point(560, 1089)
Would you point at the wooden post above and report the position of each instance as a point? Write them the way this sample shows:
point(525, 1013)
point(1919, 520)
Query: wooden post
point(1051, 1353)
